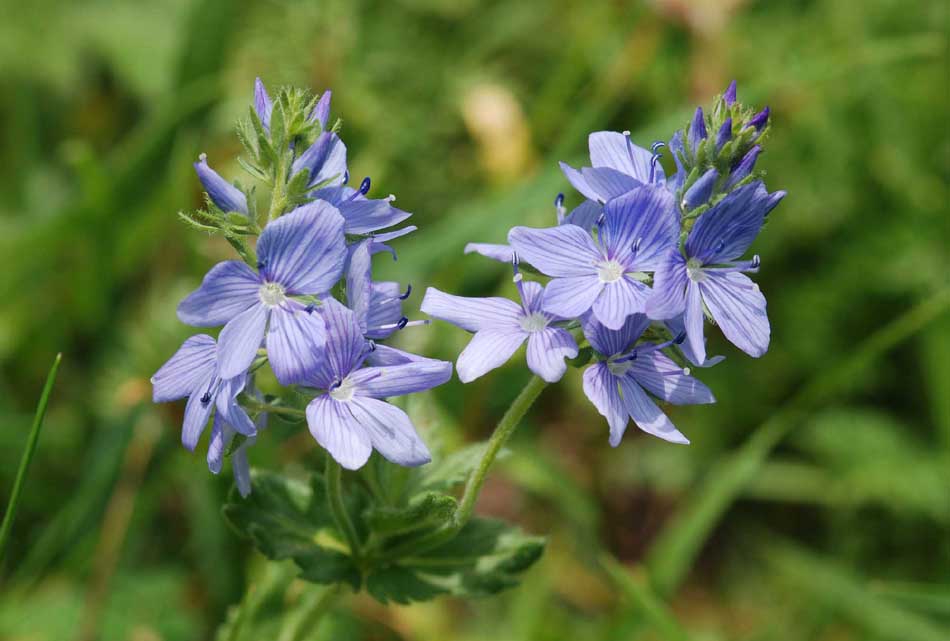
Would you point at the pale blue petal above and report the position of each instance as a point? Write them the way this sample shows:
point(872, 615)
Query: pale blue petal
point(305, 250)
point(694, 320)
point(325, 159)
point(364, 216)
point(385, 310)
point(608, 183)
point(223, 194)
point(532, 294)
point(197, 412)
point(663, 378)
point(700, 191)
point(600, 386)
point(321, 111)
point(339, 432)
point(579, 182)
point(613, 342)
point(739, 309)
point(617, 151)
point(240, 340)
point(646, 414)
point(571, 297)
point(390, 431)
point(384, 382)
point(242, 470)
point(295, 342)
point(359, 281)
point(262, 103)
point(194, 361)
point(472, 314)
point(561, 251)
point(620, 299)
point(502, 253)
point(487, 350)
point(227, 290)
point(641, 227)
point(584, 215)
point(725, 232)
point(221, 437)
point(668, 297)
point(384, 356)
point(547, 350)
point(229, 410)
point(345, 346)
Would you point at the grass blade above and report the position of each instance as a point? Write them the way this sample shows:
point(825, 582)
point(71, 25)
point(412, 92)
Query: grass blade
point(677, 546)
point(27, 456)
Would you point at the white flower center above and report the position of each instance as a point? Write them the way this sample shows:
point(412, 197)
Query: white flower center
point(344, 391)
point(272, 294)
point(694, 270)
point(609, 271)
point(534, 322)
point(619, 369)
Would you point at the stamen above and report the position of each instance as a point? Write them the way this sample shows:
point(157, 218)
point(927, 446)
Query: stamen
point(337, 382)
point(636, 245)
point(206, 398)
point(686, 371)
point(756, 261)
point(310, 308)
point(559, 210)
point(653, 163)
point(364, 186)
point(559, 201)
point(719, 247)
point(656, 146)
point(402, 323)
point(408, 292)
point(346, 176)
point(261, 265)
point(679, 338)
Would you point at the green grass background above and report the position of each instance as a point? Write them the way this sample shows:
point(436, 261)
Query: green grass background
point(814, 501)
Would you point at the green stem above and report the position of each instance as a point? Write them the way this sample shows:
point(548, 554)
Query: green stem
point(313, 613)
point(506, 427)
point(27, 456)
point(503, 431)
point(338, 509)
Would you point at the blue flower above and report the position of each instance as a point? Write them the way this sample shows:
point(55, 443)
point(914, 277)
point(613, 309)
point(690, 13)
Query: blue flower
point(618, 385)
point(501, 326)
point(707, 276)
point(618, 166)
point(362, 215)
point(222, 434)
point(192, 372)
point(223, 194)
point(301, 253)
point(584, 216)
point(263, 105)
point(346, 417)
point(376, 305)
point(325, 159)
point(636, 233)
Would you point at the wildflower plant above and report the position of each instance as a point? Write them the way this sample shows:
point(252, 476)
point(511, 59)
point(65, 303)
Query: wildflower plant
point(622, 286)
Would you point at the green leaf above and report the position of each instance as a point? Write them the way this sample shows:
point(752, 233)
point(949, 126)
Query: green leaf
point(427, 510)
point(446, 472)
point(289, 519)
point(484, 558)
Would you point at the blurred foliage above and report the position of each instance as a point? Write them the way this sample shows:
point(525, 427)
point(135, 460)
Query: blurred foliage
point(830, 521)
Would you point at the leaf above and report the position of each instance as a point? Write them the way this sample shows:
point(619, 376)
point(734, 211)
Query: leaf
point(430, 509)
point(485, 557)
point(447, 472)
point(288, 519)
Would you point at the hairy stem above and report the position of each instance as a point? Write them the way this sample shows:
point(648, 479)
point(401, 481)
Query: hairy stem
point(503, 431)
point(338, 509)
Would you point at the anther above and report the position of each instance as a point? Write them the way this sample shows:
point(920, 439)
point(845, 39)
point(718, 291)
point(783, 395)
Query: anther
point(686, 371)
point(679, 338)
point(653, 163)
point(719, 246)
point(756, 261)
point(559, 201)
point(408, 292)
point(310, 308)
point(335, 384)
point(636, 244)
point(656, 146)
point(364, 186)
point(402, 323)
point(346, 176)
point(261, 264)
point(206, 398)
point(372, 345)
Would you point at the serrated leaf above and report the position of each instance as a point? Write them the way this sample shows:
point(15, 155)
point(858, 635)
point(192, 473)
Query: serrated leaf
point(449, 471)
point(484, 558)
point(426, 510)
point(289, 519)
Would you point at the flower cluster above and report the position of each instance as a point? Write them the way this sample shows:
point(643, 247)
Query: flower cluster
point(277, 304)
point(635, 270)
